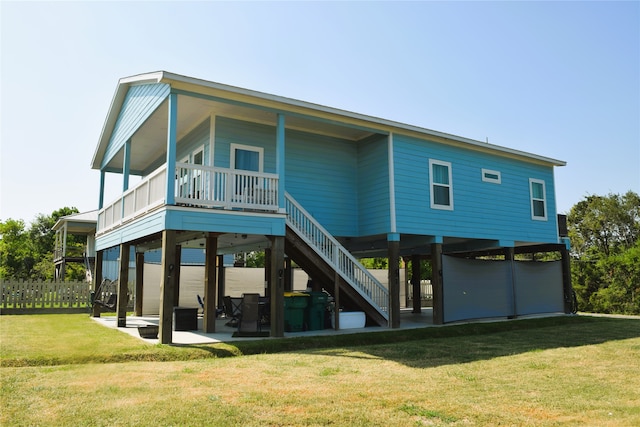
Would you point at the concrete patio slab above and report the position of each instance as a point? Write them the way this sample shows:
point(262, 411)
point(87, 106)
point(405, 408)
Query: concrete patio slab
point(224, 333)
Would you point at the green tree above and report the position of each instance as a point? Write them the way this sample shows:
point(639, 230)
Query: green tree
point(28, 253)
point(604, 225)
point(605, 235)
point(374, 263)
point(16, 256)
point(621, 280)
point(42, 234)
point(255, 259)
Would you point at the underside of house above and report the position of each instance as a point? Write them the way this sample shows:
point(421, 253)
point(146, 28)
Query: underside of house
point(229, 170)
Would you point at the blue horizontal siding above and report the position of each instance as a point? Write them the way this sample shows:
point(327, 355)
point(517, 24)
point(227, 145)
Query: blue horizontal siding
point(232, 131)
point(139, 103)
point(220, 221)
point(373, 187)
point(482, 210)
point(194, 140)
point(205, 220)
point(321, 174)
point(137, 229)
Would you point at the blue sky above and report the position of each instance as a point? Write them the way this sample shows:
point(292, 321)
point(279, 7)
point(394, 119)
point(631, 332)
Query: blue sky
point(558, 79)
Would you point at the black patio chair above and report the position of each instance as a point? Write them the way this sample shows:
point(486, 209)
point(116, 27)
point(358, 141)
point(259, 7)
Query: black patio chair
point(219, 311)
point(232, 310)
point(201, 303)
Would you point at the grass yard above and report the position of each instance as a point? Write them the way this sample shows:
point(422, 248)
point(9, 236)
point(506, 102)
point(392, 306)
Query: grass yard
point(68, 370)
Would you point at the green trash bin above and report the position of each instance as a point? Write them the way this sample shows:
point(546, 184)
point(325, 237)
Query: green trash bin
point(316, 310)
point(295, 304)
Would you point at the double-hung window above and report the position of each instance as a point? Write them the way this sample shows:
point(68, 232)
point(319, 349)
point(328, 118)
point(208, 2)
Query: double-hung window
point(538, 199)
point(441, 185)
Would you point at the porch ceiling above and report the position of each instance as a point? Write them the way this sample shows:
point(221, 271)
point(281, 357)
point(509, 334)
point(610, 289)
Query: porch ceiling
point(229, 243)
point(149, 142)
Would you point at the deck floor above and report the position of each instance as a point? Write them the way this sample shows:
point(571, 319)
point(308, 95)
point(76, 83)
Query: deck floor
point(408, 320)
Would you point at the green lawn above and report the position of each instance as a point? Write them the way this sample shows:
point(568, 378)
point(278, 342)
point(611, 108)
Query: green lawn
point(68, 370)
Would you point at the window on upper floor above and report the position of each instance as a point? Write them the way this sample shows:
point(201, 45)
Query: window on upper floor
point(538, 199)
point(441, 193)
point(246, 157)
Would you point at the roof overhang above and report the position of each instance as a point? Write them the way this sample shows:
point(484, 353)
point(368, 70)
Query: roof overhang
point(80, 223)
point(263, 107)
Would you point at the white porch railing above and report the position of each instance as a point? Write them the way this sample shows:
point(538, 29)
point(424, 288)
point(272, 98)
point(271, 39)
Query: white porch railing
point(207, 186)
point(144, 197)
point(196, 186)
point(337, 256)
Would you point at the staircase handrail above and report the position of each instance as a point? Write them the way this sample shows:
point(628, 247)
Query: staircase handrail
point(337, 256)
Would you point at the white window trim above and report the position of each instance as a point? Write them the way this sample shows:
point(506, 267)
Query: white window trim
point(190, 180)
point(189, 157)
point(544, 192)
point(448, 207)
point(490, 179)
point(259, 150)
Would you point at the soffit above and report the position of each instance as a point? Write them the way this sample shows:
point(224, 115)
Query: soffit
point(149, 141)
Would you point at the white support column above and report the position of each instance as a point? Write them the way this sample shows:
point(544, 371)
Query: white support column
point(64, 239)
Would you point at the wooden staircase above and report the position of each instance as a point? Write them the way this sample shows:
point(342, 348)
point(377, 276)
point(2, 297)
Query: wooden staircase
point(325, 259)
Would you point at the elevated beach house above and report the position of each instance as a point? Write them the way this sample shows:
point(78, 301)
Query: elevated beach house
point(228, 170)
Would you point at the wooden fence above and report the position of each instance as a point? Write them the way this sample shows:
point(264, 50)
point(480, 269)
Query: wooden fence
point(44, 297)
